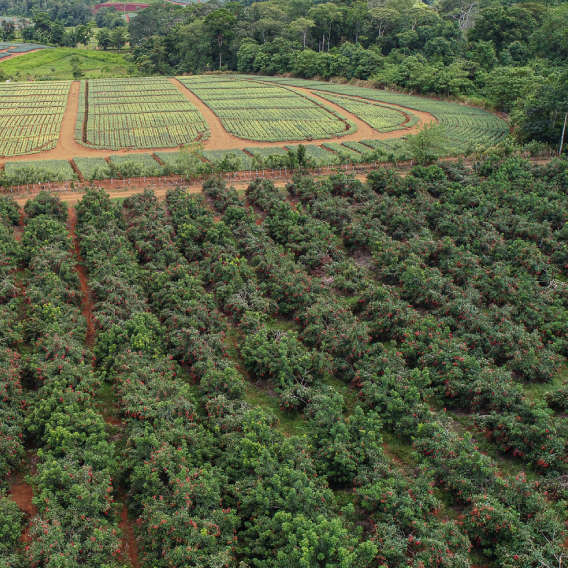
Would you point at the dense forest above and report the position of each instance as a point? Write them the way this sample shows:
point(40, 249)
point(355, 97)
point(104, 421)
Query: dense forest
point(507, 56)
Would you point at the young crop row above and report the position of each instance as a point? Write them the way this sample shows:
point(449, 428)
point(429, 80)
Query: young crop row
point(241, 115)
point(139, 114)
point(38, 171)
point(20, 134)
point(140, 165)
point(345, 153)
point(260, 103)
point(81, 105)
point(317, 155)
point(381, 118)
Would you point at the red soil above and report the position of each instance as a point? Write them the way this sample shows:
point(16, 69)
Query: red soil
point(129, 547)
point(22, 494)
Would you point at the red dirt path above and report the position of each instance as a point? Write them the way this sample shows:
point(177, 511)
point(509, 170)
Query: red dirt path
point(22, 494)
point(129, 547)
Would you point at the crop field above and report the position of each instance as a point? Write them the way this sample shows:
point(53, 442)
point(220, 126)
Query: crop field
point(139, 113)
point(394, 146)
point(30, 116)
point(39, 171)
point(93, 168)
point(462, 123)
point(243, 373)
point(317, 155)
point(151, 113)
point(344, 153)
point(255, 111)
point(130, 165)
point(171, 159)
point(382, 118)
point(7, 49)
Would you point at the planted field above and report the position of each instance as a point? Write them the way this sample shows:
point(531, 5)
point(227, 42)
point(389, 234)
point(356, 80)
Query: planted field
point(151, 113)
point(93, 168)
point(139, 113)
point(394, 147)
point(30, 116)
point(382, 118)
point(255, 111)
point(378, 365)
point(318, 156)
point(131, 165)
point(216, 156)
point(345, 154)
point(38, 171)
point(7, 49)
point(463, 124)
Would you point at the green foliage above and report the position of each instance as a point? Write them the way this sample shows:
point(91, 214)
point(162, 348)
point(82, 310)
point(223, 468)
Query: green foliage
point(142, 334)
point(428, 145)
point(10, 524)
point(46, 204)
point(9, 210)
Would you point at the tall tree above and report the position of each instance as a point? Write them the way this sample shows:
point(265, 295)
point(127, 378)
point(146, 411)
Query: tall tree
point(301, 26)
point(326, 15)
point(220, 25)
point(119, 37)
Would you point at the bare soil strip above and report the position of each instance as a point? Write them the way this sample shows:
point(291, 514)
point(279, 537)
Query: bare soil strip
point(22, 494)
point(129, 547)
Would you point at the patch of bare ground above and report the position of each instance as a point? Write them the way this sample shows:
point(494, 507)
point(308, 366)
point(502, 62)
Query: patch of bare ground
point(22, 493)
point(129, 547)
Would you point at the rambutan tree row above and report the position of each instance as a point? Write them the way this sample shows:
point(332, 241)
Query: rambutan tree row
point(344, 449)
point(75, 522)
point(269, 483)
point(12, 398)
point(518, 426)
point(172, 487)
point(492, 314)
point(404, 396)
